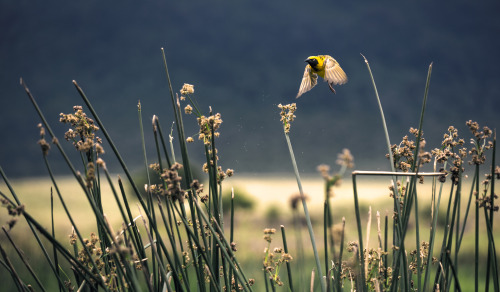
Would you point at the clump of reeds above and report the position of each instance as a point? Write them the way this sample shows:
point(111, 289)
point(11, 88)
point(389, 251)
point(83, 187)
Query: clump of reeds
point(176, 241)
point(393, 267)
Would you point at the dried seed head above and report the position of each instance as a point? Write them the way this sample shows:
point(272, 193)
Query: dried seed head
point(187, 89)
point(287, 115)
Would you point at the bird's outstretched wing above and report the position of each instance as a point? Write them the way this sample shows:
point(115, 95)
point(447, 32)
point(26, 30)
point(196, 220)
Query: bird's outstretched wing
point(333, 73)
point(309, 80)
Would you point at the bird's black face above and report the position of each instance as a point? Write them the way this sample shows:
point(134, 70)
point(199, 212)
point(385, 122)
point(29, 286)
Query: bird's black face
point(312, 62)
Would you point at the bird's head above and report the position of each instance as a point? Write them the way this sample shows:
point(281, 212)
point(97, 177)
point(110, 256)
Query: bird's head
point(313, 61)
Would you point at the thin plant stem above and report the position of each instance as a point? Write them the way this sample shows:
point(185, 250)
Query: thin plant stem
point(69, 215)
point(339, 266)
point(149, 196)
point(491, 245)
point(162, 139)
point(386, 227)
point(15, 276)
point(432, 235)
point(23, 259)
point(329, 213)
point(132, 224)
point(231, 232)
point(288, 266)
point(360, 235)
point(399, 232)
point(471, 194)
point(325, 232)
point(476, 235)
point(492, 259)
point(56, 260)
point(187, 168)
point(306, 212)
point(129, 177)
point(153, 247)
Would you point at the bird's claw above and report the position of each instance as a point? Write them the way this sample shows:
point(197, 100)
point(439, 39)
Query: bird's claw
point(331, 88)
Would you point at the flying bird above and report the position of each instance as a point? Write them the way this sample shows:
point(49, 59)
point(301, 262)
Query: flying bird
point(326, 67)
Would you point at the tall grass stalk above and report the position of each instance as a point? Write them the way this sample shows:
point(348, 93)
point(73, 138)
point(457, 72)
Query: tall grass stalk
point(288, 266)
point(356, 173)
point(432, 235)
point(306, 212)
point(492, 260)
point(23, 259)
point(391, 159)
point(411, 197)
point(149, 201)
point(54, 250)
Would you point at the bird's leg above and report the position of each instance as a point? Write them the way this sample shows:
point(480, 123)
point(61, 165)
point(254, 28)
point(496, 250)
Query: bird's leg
point(331, 88)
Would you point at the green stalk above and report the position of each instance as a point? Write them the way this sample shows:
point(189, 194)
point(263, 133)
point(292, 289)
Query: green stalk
point(150, 199)
point(168, 223)
point(417, 239)
point(211, 272)
point(492, 259)
point(154, 250)
point(133, 226)
point(138, 246)
point(432, 235)
point(362, 281)
point(23, 259)
point(339, 268)
point(187, 169)
point(15, 276)
point(457, 225)
point(63, 203)
point(325, 234)
point(300, 250)
point(491, 244)
point(471, 194)
point(412, 195)
point(306, 212)
point(416, 167)
point(387, 140)
point(476, 234)
point(329, 212)
point(450, 236)
point(225, 247)
point(442, 258)
point(265, 280)
point(391, 159)
point(273, 288)
point(129, 176)
point(386, 264)
point(171, 237)
point(157, 128)
point(56, 261)
point(45, 253)
point(231, 233)
point(71, 259)
point(356, 204)
point(288, 266)
point(455, 275)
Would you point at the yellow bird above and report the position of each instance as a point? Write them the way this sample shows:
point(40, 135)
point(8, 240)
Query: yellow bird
point(326, 67)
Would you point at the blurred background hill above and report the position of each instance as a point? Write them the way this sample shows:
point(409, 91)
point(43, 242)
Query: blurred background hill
point(244, 58)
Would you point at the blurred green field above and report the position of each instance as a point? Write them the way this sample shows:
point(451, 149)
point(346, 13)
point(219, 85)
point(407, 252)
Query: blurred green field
point(271, 194)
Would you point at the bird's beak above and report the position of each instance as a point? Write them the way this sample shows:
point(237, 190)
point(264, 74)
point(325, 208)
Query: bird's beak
point(307, 60)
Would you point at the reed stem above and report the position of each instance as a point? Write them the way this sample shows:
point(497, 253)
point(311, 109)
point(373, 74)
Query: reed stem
point(306, 212)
